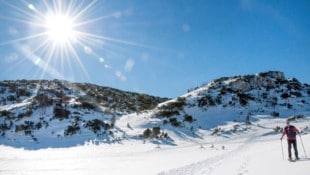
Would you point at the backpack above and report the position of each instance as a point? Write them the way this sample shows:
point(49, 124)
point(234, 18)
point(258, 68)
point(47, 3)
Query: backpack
point(291, 133)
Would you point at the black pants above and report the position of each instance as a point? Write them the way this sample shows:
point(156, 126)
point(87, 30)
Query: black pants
point(294, 143)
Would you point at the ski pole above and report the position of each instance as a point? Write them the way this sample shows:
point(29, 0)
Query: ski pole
point(282, 150)
point(303, 146)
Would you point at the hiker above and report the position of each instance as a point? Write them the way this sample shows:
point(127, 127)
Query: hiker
point(290, 131)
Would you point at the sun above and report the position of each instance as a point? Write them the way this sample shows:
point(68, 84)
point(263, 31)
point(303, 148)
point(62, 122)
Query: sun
point(58, 36)
point(60, 28)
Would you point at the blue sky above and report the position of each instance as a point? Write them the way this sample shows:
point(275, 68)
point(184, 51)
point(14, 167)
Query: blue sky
point(158, 47)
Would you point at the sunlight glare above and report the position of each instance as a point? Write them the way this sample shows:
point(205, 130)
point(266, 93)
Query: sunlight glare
point(60, 28)
point(31, 6)
point(62, 33)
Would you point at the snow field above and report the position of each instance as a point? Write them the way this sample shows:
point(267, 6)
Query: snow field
point(255, 152)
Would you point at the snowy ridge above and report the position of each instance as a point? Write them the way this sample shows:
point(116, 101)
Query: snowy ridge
point(237, 100)
point(229, 126)
point(41, 114)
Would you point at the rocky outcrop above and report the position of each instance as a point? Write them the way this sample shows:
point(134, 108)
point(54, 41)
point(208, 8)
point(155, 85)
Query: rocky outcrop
point(265, 80)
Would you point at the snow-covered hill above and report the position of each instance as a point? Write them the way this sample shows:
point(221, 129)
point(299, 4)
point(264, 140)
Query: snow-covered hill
point(41, 114)
point(237, 101)
point(230, 126)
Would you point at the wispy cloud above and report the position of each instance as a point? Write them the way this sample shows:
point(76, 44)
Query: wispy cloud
point(130, 63)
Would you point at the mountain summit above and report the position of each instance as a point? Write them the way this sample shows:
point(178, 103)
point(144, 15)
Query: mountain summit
point(268, 93)
point(239, 100)
point(38, 114)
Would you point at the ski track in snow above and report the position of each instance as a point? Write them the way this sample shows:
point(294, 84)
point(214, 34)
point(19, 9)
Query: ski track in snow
point(209, 165)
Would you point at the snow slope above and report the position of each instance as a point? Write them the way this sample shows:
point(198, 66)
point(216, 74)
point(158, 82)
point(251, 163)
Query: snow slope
point(58, 114)
point(38, 114)
point(229, 126)
point(256, 151)
point(260, 153)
